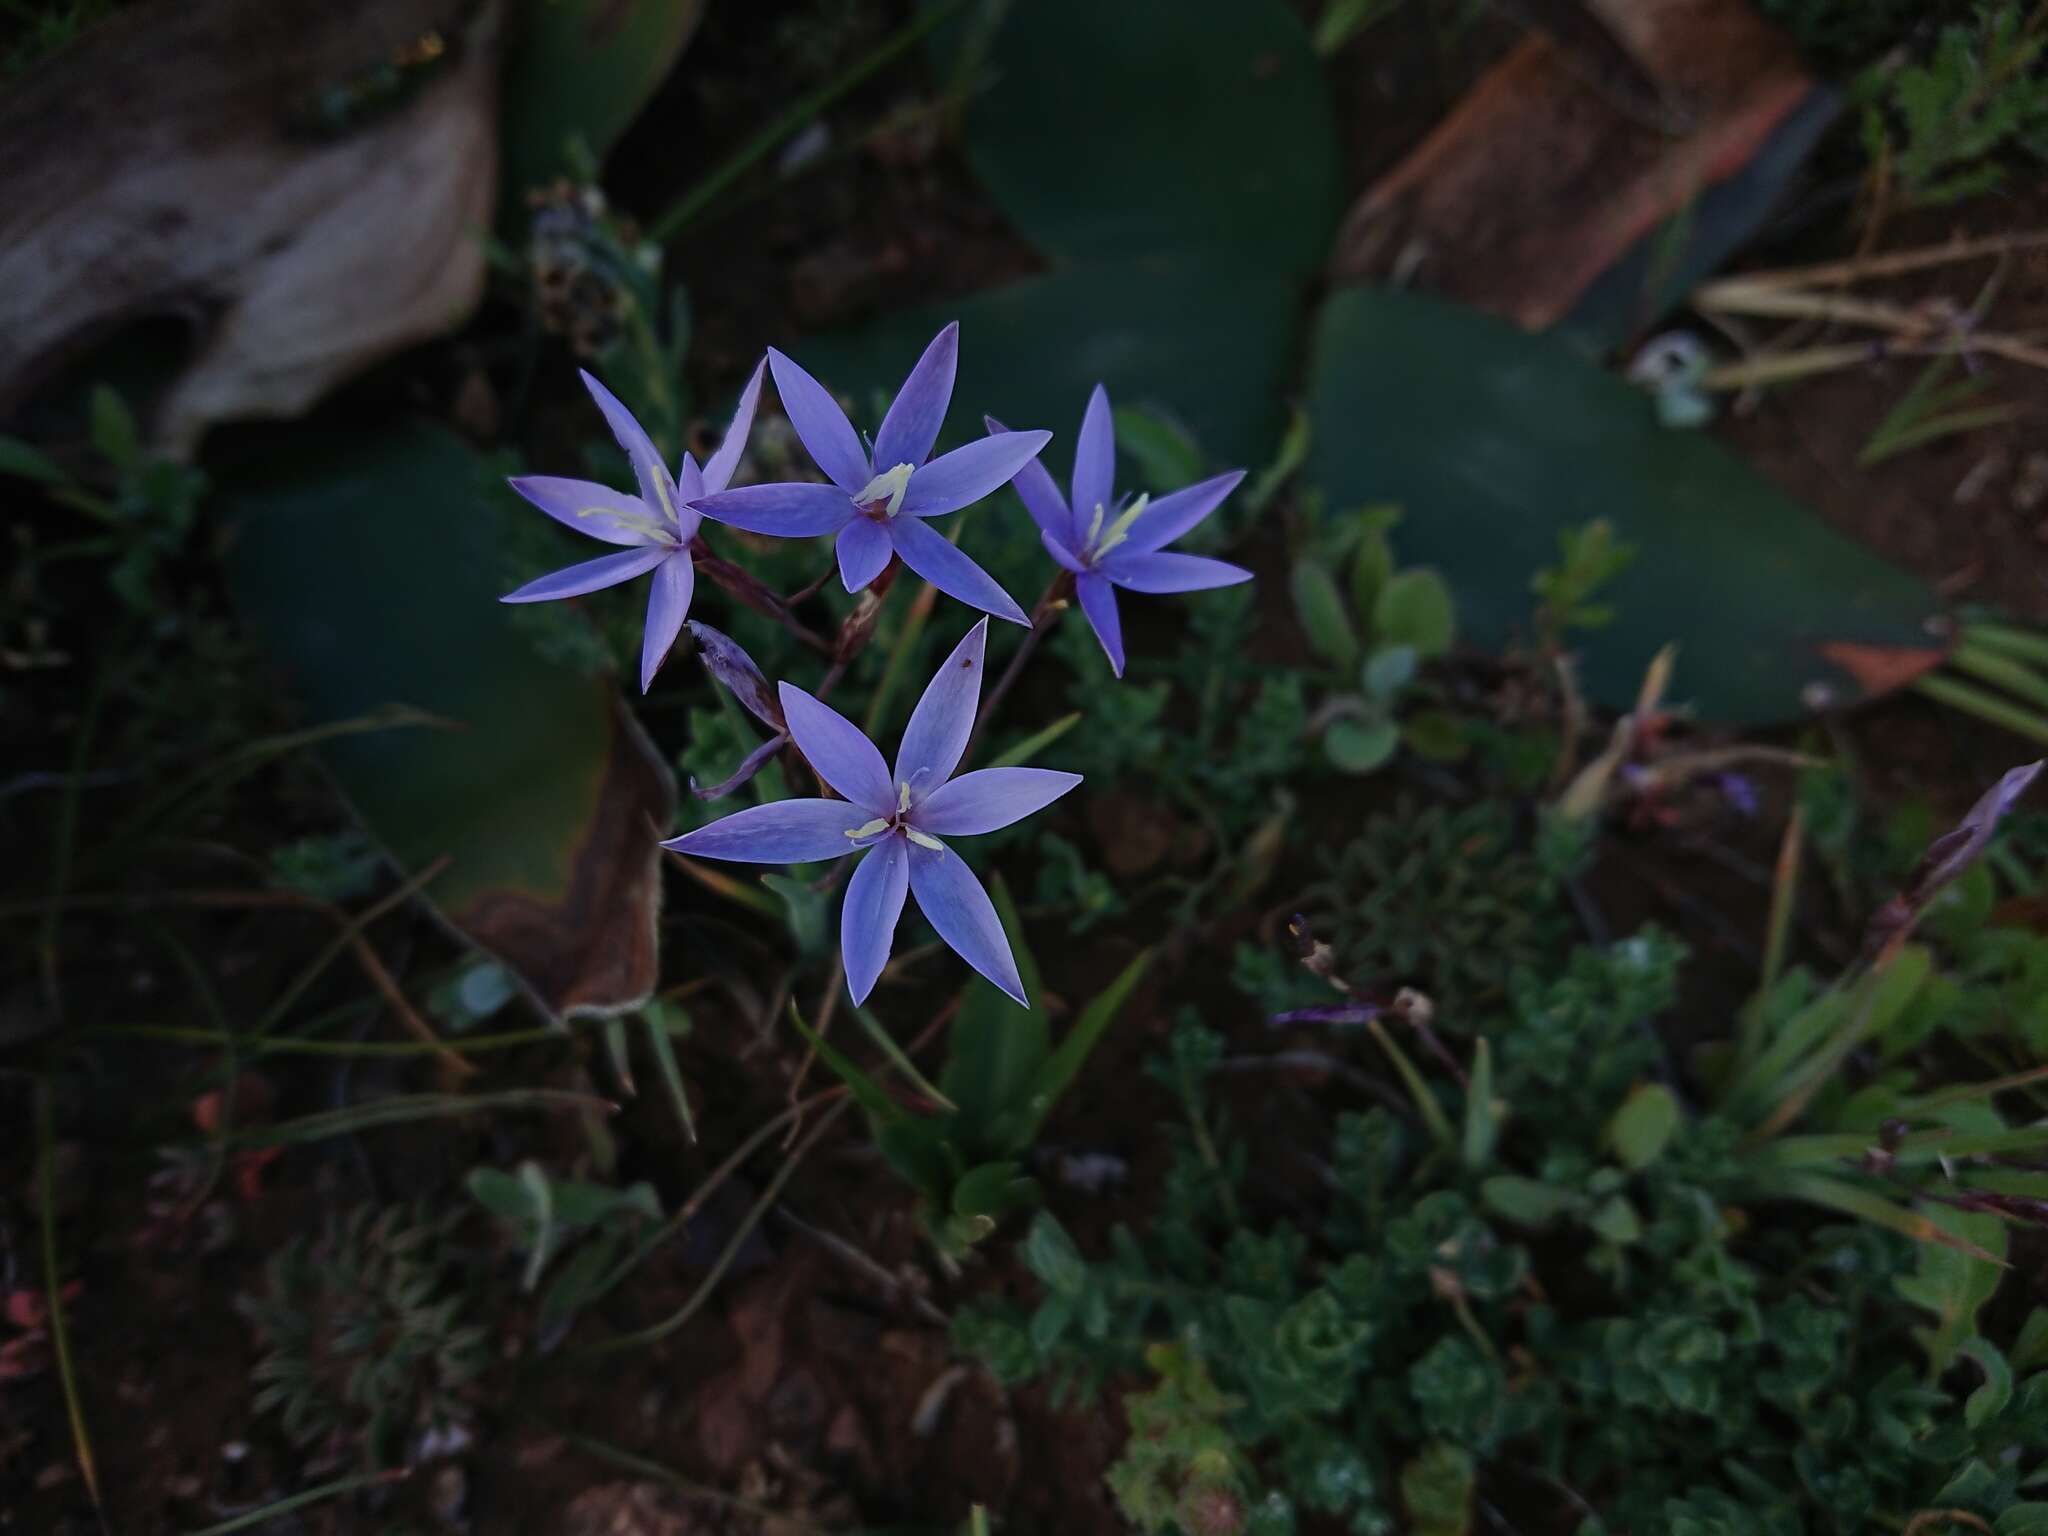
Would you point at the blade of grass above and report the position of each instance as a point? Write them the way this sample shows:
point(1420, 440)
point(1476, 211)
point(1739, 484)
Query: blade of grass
point(317, 1495)
point(679, 214)
point(1031, 746)
point(1988, 707)
point(2001, 671)
point(295, 1045)
point(349, 933)
point(1064, 1064)
point(914, 621)
point(2024, 644)
point(1865, 1205)
point(53, 1288)
point(66, 839)
point(417, 1106)
point(671, 1074)
point(732, 890)
point(1777, 933)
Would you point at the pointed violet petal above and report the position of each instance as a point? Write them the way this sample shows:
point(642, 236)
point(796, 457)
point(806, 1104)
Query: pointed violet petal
point(780, 832)
point(792, 511)
point(954, 903)
point(821, 425)
point(656, 489)
point(590, 508)
point(938, 562)
point(667, 606)
point(989, 798)
point(1169, 517)
point(750, 765)
point(944, 718)
point(1062, 556)
point(867, 924)
point(1094, 460)
point(732, 666)
point(962, 477)
point(689, 479)
point(863, 550)
point(591, 575)
point(1040, 493)
point(919, 409)
point(843, 757)
point(1171, 572)
point(719, 467)
point(1098, 602)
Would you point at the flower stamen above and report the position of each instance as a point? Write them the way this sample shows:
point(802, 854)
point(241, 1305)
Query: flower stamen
point(885, 491)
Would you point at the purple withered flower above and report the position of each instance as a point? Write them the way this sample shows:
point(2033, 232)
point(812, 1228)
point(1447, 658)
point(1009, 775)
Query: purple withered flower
point(1108, 543)
point(727, 660)
point(657, 526)
point(896, 820)
point(878, 500)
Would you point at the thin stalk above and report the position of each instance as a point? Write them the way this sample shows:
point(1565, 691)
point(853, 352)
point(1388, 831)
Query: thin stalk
point(293, 1045)
point(2022, 644)
point(1777, 932)
point(345, 939)
point(1989, 707)
point(731, 1251)
point(1051, 603)
point(60, 1331)
point(679, 214)
point(318, 1495)
point(66, 841)
point(604, 1451)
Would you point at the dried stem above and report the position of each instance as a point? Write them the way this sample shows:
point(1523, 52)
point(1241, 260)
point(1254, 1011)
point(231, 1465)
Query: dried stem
point(1051, 603)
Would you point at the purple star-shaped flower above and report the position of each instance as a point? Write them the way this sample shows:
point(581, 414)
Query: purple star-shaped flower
point(897, 820)
point(1109, 544)
point(877, 502)
point(657, 525)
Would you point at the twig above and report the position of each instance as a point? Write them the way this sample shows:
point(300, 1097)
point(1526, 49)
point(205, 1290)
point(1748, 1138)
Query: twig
point(1049, 606)
point(847, 1251)
point(60, 1331)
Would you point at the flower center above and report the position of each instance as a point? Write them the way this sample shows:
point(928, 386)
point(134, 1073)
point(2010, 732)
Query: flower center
point(645, 523)
point(868, 833)
point(882, 496)
point(1102, 540)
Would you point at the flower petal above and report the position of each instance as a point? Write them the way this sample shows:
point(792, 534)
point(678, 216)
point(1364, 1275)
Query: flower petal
point(728, 661)
point(793, 511)
point(1169, 517)
point(1098, 602)
point(844, 757)
point(1040, 493)
point(944, 718)
point(867, 923)
point(590, 508)
point(780, 832)
point(1062, 556)
point(719, 467)
point(954, 903)
point(919, 409)
point(821, 425)
point(989, 798)
point(938, 562)
point(1094, 459)
point(656, 489)
point(1171, 572)
point(689, 480)
point(863, 550)
point(667, 606)
point(590, 576)
point(962, 477)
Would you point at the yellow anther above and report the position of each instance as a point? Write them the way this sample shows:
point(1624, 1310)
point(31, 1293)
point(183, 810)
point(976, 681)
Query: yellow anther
point(888, 486)
point(1094, 527)
point(649, 525)
point(903, 796)
point(879, 824)
point(1121, 528)
point(924, 839)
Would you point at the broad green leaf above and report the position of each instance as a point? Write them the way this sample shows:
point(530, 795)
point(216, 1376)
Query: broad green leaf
point(1496, 441)
point(1414, 609)
point(1050, 1254)
point(1372, 559)
point(1109, 131)
point(2028, 1519)
point(1529, 1202)
point(1360, 746)
point(2030, 1351)
point(1951, 1284)
point(1644, 1125)
point(1030, 353)
point(1435, 734)
point(1161, 451)
point(366, 567)
point(1989, 1400)
point(1616, 1220)
point(25, 461)
point(995, 1049)
point(1437, 1487)
point(993, 1190)
point(1389, 670)
point(1319, 607)
point(580, 70)
point(807, 911)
